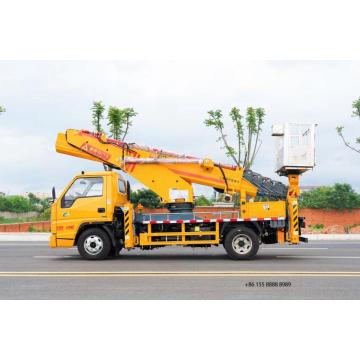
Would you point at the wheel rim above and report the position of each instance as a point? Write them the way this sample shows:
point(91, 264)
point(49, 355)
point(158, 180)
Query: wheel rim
point(93, 245)
point(242, 244)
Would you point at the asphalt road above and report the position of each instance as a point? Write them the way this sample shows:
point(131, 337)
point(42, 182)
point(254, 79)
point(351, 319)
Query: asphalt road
point(318, 270)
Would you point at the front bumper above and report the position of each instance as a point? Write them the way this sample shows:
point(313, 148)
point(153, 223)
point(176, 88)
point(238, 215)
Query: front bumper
point(52, 241)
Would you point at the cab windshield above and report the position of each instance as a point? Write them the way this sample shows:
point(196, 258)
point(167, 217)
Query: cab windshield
point(83, 188)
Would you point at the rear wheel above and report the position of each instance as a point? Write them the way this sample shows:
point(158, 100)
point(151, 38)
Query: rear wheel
point(94, 244)
point(241, 243)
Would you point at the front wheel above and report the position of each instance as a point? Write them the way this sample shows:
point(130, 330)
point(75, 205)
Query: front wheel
point(94, 244)
point(241, 243)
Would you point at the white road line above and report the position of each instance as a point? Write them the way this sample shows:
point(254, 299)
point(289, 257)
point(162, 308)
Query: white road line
point(179, 274)
point(280, 248)
point(317, 257)
point(54, 256)
point(326, 243)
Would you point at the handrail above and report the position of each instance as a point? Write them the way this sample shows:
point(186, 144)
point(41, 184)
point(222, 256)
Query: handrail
point(221, 214)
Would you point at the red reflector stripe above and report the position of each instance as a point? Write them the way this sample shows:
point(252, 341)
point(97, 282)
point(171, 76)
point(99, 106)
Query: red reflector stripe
point(193, 221)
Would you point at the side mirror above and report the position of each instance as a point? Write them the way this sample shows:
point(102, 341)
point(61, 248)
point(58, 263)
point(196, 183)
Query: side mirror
point(53, 194)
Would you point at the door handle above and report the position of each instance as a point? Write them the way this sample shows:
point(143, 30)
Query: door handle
point(101, 210)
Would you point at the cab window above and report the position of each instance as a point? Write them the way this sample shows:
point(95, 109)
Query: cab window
point(122, 188)
point(82, 188)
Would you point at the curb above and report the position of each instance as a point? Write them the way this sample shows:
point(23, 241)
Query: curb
point(24, 236)
point(332, 237)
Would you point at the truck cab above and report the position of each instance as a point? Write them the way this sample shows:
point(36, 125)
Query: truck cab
point(89, 200)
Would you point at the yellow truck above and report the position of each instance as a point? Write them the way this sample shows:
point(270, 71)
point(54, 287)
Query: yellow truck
point(95, 214)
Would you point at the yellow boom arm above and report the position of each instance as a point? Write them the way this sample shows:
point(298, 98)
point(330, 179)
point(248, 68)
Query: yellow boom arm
point(169, 175)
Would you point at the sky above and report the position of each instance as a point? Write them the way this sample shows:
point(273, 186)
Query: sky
point(172, 98)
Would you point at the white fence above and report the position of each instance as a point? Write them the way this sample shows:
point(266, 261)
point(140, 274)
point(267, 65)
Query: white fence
point(12, 215)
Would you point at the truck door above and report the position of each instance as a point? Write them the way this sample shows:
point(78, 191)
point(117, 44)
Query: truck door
point(84, 201)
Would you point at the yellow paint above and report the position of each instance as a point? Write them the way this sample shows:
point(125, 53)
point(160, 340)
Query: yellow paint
point(281, 236)
point(128, 226)
point(52, 241)
point(158, 177)
point(64, 243)
point(180, 274)
point(293, 208)
point(266, 209)
point(65, 222)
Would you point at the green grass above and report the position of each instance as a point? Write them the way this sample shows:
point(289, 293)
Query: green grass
point(21, 220)
point(316, 227)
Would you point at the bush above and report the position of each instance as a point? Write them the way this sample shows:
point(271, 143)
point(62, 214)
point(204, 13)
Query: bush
point(316, 227)
point(145, 197)
point(339, 196)
point(15, 203)
point(45, 215)
point(201, 200)
point(19, 203)
point(32, 229)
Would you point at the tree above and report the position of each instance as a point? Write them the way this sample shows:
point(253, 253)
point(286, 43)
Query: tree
point(145, 197)
point(339, 129)
point(128, 113)
point(120, 121)
point(37, 203)
point(2, 109)
point(33, 199)
point(115, 122)
point(98, 109)
point(19, 203)
point(202, 200)
point(15, 203)
point(339, 196)
point(247, 133)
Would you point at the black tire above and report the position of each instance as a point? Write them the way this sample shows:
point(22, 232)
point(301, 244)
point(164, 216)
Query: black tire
point(241, 243)
point(94, 244)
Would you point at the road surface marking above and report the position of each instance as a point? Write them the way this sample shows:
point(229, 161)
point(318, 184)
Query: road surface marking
point(294, 248)
point(54, 256)
point(180, 274)
point(337, 242)
point(61, 256)
point(317, 257)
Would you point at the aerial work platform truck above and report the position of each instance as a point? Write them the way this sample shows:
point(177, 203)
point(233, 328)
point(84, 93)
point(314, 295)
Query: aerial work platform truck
point(95, 214)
